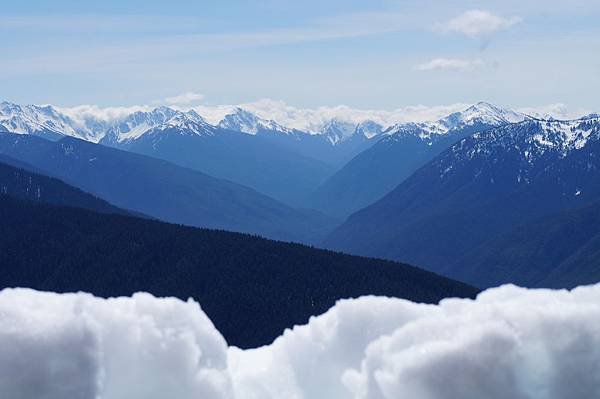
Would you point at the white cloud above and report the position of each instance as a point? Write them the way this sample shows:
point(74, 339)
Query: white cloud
point(306, 119)
point(555, 111)
point(185, 98)
point(509, 343)
point(82, 113)
point(475, 23)
point(312, 119)
point(450, 64)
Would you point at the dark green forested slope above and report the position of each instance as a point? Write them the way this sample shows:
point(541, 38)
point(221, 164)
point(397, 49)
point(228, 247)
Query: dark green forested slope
point(560, 250)
point(251, 288)
point(18, 181)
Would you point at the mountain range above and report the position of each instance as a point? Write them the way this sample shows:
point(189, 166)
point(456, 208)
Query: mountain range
point(479, 195)
point(464, 213)
point(243, 148)
point(59, 238)
point(265, 155)
point(164, 190)
point(402, 149)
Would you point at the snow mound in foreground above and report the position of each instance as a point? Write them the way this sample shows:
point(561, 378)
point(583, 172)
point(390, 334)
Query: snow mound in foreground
point(509, 343)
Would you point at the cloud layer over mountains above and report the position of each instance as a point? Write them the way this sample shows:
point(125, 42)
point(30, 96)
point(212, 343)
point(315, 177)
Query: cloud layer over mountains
point(510, 342)
point(313, 119)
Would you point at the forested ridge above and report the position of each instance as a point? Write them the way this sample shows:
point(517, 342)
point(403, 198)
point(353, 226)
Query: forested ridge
point(252, 288)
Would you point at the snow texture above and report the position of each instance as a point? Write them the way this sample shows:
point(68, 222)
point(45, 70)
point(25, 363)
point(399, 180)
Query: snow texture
point(508, 343)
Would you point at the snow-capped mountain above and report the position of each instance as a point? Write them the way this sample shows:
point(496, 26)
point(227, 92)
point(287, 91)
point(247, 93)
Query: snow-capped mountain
point(479, 116)
point(482, 113)
point(458, 207)
point(336, 131)
point(402, 149)
point(160, 119)
point(368, 129)
point(50, 122)
point(531, 141)
point(244, 121)
point(37, 120)
point(53, 123)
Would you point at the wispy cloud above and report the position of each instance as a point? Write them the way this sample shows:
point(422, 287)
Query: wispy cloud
point(100, 23)
point(308, 119)
point(312, 119)
point(185, 98)
point(477, 23)
point(555, 111)
point(82, 113)
point(451, 64)
point(177, 39)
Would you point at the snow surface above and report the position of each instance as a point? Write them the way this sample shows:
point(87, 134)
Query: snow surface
point(508, 343)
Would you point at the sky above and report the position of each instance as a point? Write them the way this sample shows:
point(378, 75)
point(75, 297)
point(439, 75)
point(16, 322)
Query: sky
point(377, 54)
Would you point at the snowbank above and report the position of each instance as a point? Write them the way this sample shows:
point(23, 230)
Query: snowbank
point(77, 346)
point(509, 343)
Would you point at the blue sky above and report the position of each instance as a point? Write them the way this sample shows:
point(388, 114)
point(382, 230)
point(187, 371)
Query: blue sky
point(365, 54)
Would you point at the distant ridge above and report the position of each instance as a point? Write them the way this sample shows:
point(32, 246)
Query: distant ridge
point(454, 212)
point(401, 150)
point(163, 190)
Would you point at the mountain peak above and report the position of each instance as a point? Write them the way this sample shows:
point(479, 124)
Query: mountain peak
point(483, 113)
point(480, 115)
point(484, 105)
point(33, 119)
point(337, 131)
point(247, 122)
point(369, 129)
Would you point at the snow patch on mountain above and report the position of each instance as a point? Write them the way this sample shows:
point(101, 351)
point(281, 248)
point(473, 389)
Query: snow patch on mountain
point(538, 137)
point(527, 149)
